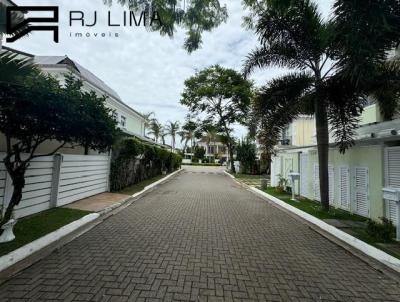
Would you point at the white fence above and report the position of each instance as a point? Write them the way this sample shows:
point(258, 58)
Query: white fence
point(57, 180)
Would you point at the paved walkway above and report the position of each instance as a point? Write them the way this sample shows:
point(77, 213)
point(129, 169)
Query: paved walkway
point(201, 237)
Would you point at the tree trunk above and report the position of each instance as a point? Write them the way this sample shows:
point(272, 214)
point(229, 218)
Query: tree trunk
point(230, 147)
point(323, 151)
point(18, 179)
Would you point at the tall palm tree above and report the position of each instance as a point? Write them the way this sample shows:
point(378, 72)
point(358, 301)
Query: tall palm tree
point(172, 129)
point(333, 67)
point(163, 135)
point(155, 129)
point(147, 120)
point(190, 132)
point(211, 135)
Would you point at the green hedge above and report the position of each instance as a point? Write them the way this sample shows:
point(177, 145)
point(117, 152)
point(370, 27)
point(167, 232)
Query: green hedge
point(134, 161)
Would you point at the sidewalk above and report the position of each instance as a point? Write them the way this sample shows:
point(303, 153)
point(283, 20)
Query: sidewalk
point(99, 202)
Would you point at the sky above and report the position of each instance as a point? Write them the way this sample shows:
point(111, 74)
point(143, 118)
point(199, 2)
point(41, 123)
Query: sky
point(146, 69)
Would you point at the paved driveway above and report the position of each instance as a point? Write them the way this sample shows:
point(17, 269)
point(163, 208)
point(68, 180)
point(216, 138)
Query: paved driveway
point(201, 237)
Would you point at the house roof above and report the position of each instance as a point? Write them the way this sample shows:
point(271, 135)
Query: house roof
point(90, 77)
point(85, 73)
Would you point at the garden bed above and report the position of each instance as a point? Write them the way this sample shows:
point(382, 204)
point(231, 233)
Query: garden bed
point(141, 185)
point(352, 224)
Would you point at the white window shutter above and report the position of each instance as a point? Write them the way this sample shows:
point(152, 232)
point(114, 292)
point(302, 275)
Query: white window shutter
point(392, 179)
point(361, 191)
point(304, 175)
point(331, 173)
point(344, 189)
point(317, 195)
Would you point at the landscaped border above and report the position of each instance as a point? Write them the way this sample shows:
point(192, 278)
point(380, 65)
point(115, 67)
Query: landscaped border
point(25, 251)
point(358, 244)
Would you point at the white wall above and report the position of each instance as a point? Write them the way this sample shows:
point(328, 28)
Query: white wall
point(54, 183)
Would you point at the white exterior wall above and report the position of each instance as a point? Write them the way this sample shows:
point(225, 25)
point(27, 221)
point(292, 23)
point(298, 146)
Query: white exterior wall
point(134, 122)
point(54, 181)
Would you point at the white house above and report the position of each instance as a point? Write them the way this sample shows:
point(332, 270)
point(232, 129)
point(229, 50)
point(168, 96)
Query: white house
point(57, 180)
point(129, 120)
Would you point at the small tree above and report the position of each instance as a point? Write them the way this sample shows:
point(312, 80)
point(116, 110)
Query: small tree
point(34, 109)
point(199, 153)
point(247, 155)
point(223, 95)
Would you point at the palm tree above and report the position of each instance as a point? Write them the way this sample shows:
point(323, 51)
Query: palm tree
point(172, 129)
point(211, 136)
point(163, 135)
point(334, 67)
point(188, 133)
point(147, 120)
point(155, 129)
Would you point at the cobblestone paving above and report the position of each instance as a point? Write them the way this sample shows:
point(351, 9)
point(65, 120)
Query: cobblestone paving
point(200, 237)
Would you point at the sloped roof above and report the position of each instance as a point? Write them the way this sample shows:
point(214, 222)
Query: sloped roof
point(90, 77)
point(85, 73)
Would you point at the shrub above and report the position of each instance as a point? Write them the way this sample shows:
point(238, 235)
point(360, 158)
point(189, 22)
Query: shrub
point(382, 232)
point(134, 161)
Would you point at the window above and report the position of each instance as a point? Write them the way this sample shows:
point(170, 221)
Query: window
point(123, 121)
point(115, 115)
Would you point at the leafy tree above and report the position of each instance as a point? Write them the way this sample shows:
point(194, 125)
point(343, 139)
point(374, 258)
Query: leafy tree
point(199, 153)
point(196, 17)
point(335, 65)
point(156, 130)
point(247, 155)
point(222, 95)
point(35, 109)
point(172, 129)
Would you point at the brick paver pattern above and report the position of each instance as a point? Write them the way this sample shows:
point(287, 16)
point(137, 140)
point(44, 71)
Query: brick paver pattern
point(201, 237)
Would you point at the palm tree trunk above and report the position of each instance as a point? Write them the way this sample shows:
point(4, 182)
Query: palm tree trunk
point(230, 147)
point(323, 151)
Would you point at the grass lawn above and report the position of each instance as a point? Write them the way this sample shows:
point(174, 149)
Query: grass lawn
point(31, 228)
point(140, 186)
point(315, 209)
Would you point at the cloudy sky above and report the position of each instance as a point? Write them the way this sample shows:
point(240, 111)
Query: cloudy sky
point(147, 70)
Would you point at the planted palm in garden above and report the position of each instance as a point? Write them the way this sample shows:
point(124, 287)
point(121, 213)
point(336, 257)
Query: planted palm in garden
point(223, 96)
point(172, 129)
point(156, 130)
point(35, 109)
point(190, 131)
point(336, 65)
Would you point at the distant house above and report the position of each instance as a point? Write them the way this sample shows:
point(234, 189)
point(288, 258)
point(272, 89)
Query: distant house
point(129, 120)
point(214, 149)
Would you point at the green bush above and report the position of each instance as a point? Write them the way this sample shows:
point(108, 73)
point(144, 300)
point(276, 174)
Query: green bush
point(382, 232)
point(134, 161)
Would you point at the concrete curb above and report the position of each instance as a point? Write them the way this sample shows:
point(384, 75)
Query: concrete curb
point(138, 194)
point(361, 246)
point(25, 251)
